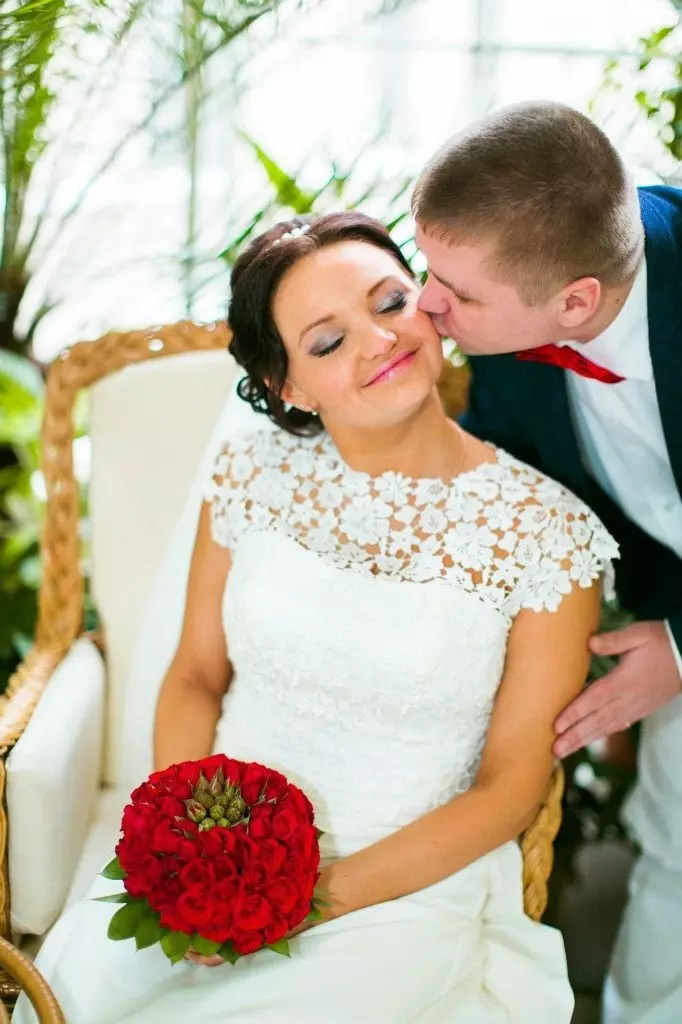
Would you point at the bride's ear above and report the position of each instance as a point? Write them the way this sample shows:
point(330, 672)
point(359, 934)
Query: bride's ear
point(294, 396)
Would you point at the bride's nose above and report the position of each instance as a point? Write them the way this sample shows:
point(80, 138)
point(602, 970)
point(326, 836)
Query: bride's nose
point(378, 341)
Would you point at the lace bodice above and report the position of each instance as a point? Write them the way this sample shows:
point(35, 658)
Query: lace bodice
point(367, 618)
point(503, 531)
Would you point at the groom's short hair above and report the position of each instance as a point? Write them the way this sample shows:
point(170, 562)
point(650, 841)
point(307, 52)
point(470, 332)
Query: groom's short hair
point(546, 186)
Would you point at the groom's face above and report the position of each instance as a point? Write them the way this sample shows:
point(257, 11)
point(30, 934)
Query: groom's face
point(484, 316)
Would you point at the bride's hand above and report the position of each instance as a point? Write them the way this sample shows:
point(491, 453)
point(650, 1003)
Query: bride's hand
point(203, 961)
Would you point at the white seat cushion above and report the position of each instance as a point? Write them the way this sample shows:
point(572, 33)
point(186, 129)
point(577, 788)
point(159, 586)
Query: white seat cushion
point(53, 778)
point(149, 426)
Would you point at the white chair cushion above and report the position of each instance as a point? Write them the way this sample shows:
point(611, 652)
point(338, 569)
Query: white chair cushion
point(149, 426)
point(53, 777)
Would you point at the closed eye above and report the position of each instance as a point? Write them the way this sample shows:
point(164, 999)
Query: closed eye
point(394, 302)
point(332, 347)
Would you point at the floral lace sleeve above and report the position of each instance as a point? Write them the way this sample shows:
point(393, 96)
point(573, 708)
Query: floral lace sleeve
point(235, 465)
point(561, 543)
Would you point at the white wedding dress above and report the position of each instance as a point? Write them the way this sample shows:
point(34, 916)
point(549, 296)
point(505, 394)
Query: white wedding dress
point(367, 621)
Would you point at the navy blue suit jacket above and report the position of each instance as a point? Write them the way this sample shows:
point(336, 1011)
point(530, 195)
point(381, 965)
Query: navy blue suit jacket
point(523, 408)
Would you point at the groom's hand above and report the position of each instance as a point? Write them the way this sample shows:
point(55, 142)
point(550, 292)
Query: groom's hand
point(645, 679)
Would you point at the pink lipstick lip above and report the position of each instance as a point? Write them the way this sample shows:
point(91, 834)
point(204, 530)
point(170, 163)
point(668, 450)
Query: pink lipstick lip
point(393, 364)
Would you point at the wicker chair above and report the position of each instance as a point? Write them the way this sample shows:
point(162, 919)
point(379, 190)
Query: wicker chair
point(132, 364)
point(25, 976)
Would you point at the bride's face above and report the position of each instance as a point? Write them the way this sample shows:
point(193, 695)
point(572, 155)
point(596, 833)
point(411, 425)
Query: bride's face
point(360, 351)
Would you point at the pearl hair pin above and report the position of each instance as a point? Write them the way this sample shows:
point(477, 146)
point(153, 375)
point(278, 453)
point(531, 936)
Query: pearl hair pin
point(294, 233)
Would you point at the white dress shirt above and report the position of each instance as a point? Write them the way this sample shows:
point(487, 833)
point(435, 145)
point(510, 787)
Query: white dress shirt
point(619, 426)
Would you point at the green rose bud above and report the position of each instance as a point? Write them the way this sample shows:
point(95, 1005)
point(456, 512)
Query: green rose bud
point(216, 812)
point(217, 783)
point(195, 811)
point(233, 815)
point(223, 822)
point(206, 824)
point(230, 792)
point(205, 799)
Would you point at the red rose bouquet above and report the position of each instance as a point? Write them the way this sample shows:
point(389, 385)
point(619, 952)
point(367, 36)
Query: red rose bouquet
point(218, 856)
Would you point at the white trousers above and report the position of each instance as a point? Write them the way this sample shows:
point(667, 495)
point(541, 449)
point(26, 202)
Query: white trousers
point(644, 985)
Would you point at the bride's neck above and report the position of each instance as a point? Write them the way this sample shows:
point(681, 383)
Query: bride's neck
point(424, 445)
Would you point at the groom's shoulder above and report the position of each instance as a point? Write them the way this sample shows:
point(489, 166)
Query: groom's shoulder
point(664, 200)
point(495, 368)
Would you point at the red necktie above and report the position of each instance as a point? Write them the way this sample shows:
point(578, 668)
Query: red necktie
point(569, 359)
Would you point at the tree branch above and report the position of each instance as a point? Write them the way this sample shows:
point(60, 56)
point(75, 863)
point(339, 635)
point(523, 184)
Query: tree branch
point(137, 129)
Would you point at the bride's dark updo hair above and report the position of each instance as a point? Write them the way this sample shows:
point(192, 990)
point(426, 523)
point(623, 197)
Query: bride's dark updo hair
point(256, 275)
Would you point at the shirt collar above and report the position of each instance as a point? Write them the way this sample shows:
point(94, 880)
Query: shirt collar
point(623, 347)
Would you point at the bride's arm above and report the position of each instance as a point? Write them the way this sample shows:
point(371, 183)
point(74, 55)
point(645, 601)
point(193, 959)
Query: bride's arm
point(191, 695)
point(546, 665)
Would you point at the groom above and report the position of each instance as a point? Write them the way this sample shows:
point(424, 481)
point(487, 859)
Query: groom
point(563, 283)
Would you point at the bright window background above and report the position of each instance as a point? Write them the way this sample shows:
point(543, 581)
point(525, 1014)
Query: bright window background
point(320, 88)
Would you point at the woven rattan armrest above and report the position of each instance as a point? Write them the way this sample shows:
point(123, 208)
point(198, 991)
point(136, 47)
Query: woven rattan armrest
point(28, 978)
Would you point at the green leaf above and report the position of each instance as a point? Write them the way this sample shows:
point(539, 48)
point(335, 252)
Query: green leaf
point(175, 945)
point(315, 914)
point(117, 897)
point(149, 930)
point(113, 870)
point(319, 833)
point(229, 953)
point(123, 924)
point(289, 192)
point(205, 947)
point(281, 947)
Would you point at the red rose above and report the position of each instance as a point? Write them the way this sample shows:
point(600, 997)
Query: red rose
point(211, 843)
point(131, 849)
point(256, 875)
point(165, 894)
point(195, 908)
point(283, 894)
point(273, 854)
point(166, 839)
point(226, 892)
point(252, 912)
point(186, 850)
point(218, 930)
point(304, 841)
point(295, 867)
point(277, 930)
point(170, 917)
point(171, 807)
point(166, 779)
point(144, 876)
point(276, 786)
point(284, 824)
point(197, 872)
point(244, 851)
point(138, 818)
point(253, 780)
point(224, 868)
point(298, 914)
point(143, 793)
point(260, 823)
point(300, 803)
point(247, 942)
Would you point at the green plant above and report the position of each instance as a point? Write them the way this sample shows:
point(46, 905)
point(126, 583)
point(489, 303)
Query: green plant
point(21, 401)
point(653, 84)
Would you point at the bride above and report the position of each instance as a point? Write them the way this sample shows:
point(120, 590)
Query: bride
point(392, 613)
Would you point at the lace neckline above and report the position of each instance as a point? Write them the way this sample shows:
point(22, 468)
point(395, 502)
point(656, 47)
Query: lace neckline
point(325, 445)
